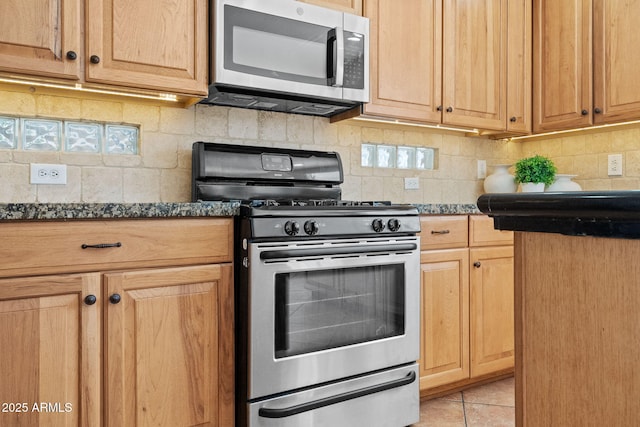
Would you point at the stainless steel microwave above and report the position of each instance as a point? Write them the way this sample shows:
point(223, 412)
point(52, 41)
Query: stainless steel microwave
point(288, 56)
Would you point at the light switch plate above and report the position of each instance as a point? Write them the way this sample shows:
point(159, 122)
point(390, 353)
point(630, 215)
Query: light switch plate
point(614, 165)
point(482, 169)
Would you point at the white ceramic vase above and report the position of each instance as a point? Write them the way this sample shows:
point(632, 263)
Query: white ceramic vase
point(563, 182)
point(500, 181)
point(532, 187)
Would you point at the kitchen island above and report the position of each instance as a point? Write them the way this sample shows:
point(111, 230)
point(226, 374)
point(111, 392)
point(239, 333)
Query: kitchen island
point(577, 293)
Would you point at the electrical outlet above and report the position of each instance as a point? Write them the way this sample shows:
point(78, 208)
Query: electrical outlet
point(42, 173)
point(614, 165)
point(482, 169)
point(411, 183)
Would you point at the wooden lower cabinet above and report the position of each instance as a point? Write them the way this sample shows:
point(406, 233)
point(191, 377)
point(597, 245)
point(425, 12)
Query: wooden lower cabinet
point(445, 317)
point(492, 309)
point(467, 318)
point(166, 363)
point(144, 345)
point(50, 351)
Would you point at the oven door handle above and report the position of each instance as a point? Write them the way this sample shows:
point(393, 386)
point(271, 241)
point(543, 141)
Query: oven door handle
point(345, 250)
point(342, 397)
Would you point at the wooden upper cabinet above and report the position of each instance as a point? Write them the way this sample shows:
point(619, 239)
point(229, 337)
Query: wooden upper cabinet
point(36, 35)
point(405, 61)
point(519, 53)
point(616, 61)
point(147, 45)
point(474, 71)
point(350, 6)
point(562, 64)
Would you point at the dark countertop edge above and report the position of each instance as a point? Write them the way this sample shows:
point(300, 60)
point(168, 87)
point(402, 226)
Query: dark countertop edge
point(613, 214)
point(69, 211)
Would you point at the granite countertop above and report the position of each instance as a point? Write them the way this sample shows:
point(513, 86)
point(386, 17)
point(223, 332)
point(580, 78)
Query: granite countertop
point(580, 213)
point(64, 211)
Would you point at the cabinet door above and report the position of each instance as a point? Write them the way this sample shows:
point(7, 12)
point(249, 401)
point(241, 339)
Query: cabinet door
point(166, 364)
point(562, 69)
point(36, 35)
point(405, 60)
point(444, 346)
point(50, 351)
point(144, 44)
point(519, 66)
point(491, 309)
point(616, 61)
point(474, 63)
point(349, 6)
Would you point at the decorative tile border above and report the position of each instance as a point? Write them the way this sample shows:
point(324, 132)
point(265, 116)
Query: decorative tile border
point(36, 134)
point(400, 157)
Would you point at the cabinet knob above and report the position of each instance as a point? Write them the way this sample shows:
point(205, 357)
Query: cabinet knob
point(94, 59)
point(597, 110)
point(439, 108)
point(449, 109)
point(584, 112)
point(477, 264)
point(72, 56)
point(90, 299)
point(114, 299)
point(513, 119)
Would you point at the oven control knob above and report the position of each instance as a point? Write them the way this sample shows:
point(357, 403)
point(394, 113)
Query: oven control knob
point(393, 224)
point(378, 225)
point(311, 227)
point(291, 228)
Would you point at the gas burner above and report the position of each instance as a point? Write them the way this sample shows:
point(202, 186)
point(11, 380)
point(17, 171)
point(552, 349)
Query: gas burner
point(315, 203)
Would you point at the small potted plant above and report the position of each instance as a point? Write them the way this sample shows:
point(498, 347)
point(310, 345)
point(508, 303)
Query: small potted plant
point(533, 173)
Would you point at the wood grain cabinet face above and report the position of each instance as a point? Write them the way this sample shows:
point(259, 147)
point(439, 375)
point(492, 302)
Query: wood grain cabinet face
point(147, 44)
point(50, 351)
point(455, 62)
point(169, 372)
point(349, 6)
point(444, 346)
point(36, 35)
point(467, 302)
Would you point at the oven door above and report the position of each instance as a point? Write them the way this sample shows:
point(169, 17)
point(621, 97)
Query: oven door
point(324, 310)
point(291, 47)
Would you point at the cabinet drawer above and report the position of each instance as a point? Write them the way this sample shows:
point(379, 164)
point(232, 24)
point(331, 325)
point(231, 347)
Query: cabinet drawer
point(31, 248)
point(482, 233)
point(442, 232)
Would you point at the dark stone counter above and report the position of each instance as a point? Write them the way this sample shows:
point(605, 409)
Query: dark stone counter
point(581, 213)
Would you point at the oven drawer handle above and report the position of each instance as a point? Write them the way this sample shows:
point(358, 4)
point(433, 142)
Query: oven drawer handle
point(346, 250)
point(342, 397)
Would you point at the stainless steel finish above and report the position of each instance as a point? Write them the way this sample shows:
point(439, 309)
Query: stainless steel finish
point(269, 375)
point(340, 57)
point(243, 89)
point(395, 407)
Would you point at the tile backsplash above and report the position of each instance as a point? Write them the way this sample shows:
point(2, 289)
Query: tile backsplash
point(161, 170)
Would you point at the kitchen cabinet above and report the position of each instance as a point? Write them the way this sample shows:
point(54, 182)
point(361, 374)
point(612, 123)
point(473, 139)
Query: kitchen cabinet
point(135, 330)
point(349, 6)
point(467, 303)
point(585, 59)
point(451, 62)
point(139, 46)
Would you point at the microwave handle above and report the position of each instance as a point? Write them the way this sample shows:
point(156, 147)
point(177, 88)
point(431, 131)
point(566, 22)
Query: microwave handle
point(335, 57)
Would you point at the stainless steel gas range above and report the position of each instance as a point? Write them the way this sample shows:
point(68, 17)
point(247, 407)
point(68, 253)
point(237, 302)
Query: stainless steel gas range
point(327, 291)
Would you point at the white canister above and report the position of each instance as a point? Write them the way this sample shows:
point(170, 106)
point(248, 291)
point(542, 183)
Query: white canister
point(500, 181)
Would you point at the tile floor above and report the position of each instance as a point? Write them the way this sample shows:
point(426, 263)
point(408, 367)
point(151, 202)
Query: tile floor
point(489, 405)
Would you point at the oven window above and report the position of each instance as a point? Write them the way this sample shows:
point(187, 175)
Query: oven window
point(323, 309)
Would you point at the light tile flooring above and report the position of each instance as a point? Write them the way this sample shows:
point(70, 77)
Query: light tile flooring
point(489, 405)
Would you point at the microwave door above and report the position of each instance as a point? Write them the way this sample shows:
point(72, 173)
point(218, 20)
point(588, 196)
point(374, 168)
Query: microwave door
point(279, 52)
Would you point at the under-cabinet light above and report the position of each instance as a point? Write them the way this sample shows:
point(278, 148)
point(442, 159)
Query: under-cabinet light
point(422, 125)
point(78, 87)
point(584, 129)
